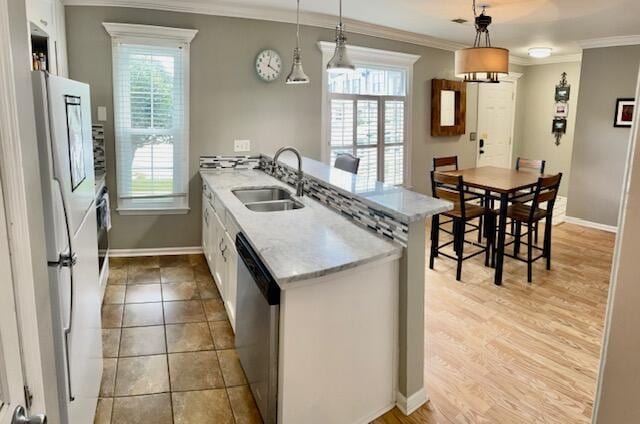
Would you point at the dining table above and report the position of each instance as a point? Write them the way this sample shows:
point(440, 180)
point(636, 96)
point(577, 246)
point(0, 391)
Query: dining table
point(500, 184)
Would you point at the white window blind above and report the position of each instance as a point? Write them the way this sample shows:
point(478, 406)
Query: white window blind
point(150, 94)
point(367, 119)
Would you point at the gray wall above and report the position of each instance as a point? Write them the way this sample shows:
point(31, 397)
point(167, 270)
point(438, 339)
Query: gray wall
point(228, 102)
point(599, 149)
point(534, 114)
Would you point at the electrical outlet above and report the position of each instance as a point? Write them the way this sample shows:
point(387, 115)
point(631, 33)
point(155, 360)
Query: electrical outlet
point(102, 113)
point(241, 145)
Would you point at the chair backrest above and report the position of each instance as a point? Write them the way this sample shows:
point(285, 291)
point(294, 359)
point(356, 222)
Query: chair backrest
point(530, 165)
point(449, 187)
point(446, 161)
point(347, 162)
point(546, 191)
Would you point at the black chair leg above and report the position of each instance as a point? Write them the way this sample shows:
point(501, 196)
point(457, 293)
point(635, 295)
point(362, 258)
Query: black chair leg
point(490, 230)
point(536, 231)
point(517, 235)
point(460, 249)
point(435, 230)
point(481, 224)
point(547, 240)
point(529, 254)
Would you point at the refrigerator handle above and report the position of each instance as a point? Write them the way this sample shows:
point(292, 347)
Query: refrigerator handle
point(67, 259)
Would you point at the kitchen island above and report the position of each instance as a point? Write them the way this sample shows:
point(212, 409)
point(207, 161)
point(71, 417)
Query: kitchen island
point(341, 265)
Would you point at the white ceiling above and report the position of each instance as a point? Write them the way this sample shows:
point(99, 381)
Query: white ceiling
point(518, 24)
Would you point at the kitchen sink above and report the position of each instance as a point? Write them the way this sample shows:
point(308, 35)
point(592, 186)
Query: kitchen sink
point(273, 206)
point(261, 194)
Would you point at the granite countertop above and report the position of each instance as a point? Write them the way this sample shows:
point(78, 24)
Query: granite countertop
point(402, 204)
point(299, 244)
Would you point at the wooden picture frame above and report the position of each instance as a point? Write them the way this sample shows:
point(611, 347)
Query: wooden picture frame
point(623, 117)
point(448, 107)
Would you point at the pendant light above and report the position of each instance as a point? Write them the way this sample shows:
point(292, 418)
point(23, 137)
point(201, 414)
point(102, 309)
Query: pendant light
point(481, 63)
point(340, 61)
point(297, 75)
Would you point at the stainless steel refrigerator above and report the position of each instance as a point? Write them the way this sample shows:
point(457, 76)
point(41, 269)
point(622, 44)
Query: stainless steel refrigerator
point(63, 117)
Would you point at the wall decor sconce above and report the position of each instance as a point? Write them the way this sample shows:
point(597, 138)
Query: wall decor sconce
point(561, 108)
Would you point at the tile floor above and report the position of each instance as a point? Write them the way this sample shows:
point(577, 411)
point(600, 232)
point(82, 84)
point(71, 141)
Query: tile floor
point(168, 347)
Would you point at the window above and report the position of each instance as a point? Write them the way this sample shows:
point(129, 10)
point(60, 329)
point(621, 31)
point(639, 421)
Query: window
point(151, 91)
point(368, 112)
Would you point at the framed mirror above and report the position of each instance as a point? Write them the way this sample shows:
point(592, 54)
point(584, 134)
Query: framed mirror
point(448, 107)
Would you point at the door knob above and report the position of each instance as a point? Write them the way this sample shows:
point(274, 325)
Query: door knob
point(20, 417)
point(481, 142)
point(481, 152)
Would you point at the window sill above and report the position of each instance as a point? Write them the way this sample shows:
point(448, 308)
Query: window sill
point(153, 211)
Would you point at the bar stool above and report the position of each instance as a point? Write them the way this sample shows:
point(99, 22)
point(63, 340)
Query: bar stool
point(530, 165)
point(347, 162)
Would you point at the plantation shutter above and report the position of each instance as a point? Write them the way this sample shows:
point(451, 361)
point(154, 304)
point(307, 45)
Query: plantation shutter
point(151, 136)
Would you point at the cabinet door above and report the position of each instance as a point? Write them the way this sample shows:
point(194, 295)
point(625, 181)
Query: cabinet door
point(205, 228)
point(211, 237)
point(220, 270)
point(60, 40)
point(231, 256)
point(40, 12)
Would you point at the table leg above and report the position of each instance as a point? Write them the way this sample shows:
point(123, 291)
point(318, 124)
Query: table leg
point(502, 227)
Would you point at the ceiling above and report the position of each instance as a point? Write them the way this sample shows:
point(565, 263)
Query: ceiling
point(518, 24)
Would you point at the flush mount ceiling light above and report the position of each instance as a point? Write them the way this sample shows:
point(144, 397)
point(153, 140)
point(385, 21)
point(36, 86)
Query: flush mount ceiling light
point(540, 52)
point(297, 75)
point(481, 63)
point(340, 62)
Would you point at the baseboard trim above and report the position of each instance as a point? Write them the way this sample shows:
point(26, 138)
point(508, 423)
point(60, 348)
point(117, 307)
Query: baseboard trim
point(159, 251)
point(589, 224)
point(409, 405)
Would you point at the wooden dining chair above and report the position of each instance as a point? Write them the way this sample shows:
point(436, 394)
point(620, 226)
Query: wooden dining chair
point(451, 188)
point(546, 191)
point(528, 165)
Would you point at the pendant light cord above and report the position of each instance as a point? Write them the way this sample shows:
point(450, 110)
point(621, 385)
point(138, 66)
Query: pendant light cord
point(341, 12)
point(298, 26)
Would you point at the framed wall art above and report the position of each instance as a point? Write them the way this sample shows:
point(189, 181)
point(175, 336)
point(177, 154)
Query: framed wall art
point(624, 113)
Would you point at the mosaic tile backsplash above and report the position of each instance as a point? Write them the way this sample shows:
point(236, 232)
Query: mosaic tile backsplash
point(349, 206)
point(99, 161)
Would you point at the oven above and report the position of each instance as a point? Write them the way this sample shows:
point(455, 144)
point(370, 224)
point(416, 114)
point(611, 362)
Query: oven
point(102, 209)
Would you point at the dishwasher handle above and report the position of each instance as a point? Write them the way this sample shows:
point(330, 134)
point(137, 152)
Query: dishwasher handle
point(261, 275)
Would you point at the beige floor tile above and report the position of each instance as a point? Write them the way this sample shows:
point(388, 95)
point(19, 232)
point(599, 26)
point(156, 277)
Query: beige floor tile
point(103, 411)
point(205, 406)
point(112, 316)
point(107, 385)
point(183, 311)
point(208, 290)
point(139, 262)
point(114, 294)
point(214, 309)
point(143, 293)
point(202, 274)
point(178, 274)
point(188, 337)
point(222, 333)
point(174, 260)
point(118, 262)
point(110, 342)
point(244, 407)
point(195, 371)
point(140, 341)
point(141, 314)
point(197, 260)
point(231, 369)
point(142, 375)
point(187, 290)
point(149, 409)
point(117, 276)
point(143, 276)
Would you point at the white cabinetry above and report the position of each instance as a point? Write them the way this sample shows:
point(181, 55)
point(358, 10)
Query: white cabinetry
point(48, 36)
point(219, 249)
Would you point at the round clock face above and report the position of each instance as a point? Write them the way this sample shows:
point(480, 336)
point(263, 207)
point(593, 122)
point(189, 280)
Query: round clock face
point(268, 65)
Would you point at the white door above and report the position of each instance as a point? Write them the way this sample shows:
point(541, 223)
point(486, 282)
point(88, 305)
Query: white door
point(495, 124)
point(11, 377)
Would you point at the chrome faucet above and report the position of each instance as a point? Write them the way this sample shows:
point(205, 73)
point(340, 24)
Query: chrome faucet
point(300, 182)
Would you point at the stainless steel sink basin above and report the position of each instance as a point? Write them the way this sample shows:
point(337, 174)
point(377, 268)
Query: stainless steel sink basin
point(274, 206)
point(261, 194)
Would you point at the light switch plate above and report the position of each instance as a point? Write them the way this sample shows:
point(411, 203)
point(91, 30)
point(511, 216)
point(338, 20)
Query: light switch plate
point(102, 113)
point(241, 145)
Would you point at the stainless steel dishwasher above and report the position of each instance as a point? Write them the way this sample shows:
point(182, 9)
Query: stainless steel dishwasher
point(257, 320)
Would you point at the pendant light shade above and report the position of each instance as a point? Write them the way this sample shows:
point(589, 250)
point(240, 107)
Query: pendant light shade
point(340, 62)
point(297, 75)
point(481, 63)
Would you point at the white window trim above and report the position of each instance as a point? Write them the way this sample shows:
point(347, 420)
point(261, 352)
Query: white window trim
point(365, 56)
point(157, 36)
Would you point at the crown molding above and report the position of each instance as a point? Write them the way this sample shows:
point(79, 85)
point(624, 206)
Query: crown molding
point(529, 61)
point(276, 15)
point(623, 40)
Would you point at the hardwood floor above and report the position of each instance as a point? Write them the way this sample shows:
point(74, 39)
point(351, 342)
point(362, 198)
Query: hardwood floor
point(520, 353)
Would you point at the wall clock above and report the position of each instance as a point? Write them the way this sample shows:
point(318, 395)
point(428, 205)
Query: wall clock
point(268, 65)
